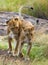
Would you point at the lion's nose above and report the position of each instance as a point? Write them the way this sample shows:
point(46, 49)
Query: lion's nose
point(17, 26)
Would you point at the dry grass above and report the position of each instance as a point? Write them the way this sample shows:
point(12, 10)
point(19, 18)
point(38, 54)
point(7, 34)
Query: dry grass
point(41, 38)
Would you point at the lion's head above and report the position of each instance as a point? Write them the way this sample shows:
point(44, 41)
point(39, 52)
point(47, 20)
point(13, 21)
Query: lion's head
point(14, 24)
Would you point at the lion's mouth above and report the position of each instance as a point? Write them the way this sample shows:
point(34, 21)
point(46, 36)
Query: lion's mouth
point(15, 31)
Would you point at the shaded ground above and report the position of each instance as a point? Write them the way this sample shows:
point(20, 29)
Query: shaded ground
point(6, 59)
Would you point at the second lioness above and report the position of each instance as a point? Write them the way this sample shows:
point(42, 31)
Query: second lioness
point(26, 36)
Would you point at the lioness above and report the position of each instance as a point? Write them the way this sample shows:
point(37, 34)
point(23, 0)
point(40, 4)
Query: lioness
point(22, 31)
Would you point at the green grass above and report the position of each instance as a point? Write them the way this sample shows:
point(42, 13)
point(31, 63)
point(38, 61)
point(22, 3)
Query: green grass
point(40, 7)
point(37, 54)
point(45, 62)
point(3, 45)
point(39, 48)
point(39, 51)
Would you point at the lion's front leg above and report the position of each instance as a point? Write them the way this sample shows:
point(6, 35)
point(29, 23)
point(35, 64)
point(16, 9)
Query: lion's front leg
point(9, 40)
point(15, 53)
point(18, 47)
point(21, 38)
point(29, 48)
point(10, 46)
point(30, 40)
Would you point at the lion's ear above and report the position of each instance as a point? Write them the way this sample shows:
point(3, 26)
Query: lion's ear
point(16, 19)
point(7, 22)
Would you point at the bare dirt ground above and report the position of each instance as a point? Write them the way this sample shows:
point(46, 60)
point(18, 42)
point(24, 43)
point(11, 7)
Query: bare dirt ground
point(6, 59)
